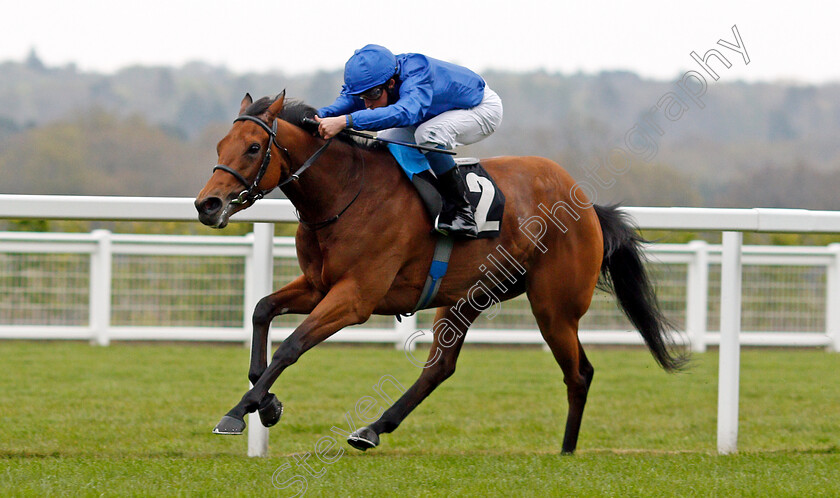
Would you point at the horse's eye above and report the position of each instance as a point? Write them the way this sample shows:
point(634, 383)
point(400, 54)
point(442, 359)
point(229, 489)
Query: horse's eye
point(254, 148)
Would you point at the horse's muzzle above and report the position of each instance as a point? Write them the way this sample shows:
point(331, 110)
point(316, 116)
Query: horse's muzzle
point(212, 212)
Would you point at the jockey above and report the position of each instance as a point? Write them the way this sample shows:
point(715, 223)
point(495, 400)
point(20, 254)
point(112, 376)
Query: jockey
point(417, 99)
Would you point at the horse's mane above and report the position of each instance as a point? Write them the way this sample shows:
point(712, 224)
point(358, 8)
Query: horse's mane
point(294, 112)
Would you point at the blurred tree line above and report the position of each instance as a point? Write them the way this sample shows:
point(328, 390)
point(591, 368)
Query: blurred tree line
point(152, 131)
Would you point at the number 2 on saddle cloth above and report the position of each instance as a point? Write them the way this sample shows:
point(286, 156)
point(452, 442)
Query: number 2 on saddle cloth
point(487, 201)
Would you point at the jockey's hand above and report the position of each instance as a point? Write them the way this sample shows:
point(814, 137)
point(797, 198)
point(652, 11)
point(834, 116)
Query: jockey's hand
point(330, 127)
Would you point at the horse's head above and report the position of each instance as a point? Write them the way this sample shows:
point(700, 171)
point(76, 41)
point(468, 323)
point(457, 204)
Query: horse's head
point(251, 163)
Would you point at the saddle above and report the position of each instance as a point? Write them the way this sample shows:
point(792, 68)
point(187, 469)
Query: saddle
point(487, 201)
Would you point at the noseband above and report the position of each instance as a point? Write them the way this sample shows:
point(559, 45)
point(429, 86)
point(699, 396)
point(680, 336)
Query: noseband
point(252, 192)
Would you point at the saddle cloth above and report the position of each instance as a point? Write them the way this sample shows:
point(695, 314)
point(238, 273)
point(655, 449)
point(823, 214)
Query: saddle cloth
point(488, 202)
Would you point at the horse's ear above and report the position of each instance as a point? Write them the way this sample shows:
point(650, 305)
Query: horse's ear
point(246, 101)
point(276, 106)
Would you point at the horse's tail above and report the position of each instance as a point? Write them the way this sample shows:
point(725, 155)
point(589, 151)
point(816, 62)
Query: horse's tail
point(625, 276)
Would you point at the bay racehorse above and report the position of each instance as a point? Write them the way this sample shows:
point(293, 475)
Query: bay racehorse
point(365, 246)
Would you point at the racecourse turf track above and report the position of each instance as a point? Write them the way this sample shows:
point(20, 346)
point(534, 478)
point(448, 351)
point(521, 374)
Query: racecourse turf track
point(135, 419)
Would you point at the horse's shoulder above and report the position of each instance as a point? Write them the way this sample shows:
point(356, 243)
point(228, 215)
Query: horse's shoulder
point(307, 245)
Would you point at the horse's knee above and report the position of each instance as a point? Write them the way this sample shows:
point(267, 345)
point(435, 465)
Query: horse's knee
point(255, 373)
point(288, 352)
point(264, 311)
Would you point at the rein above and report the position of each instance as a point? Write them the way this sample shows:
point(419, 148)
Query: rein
point(321, 224)
point(253, 193)
point(366, 136)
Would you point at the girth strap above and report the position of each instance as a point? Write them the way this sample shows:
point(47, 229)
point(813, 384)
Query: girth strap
point(440, 263)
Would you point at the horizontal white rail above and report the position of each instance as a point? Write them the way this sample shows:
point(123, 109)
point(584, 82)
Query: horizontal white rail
point(281, 210)
point(389, 336)
point(737, 220)
point(72, 207)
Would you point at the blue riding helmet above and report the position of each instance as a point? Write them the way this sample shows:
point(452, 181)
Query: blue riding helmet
point(370, 66)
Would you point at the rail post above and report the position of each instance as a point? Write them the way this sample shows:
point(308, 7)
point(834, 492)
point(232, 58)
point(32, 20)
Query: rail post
point(99, 308)
point(832, 299)
point(697, 295)
point(404, 327)
point(729, 363)
point(260, 282)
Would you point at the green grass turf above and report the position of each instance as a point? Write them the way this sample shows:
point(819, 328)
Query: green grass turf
point(135, 420)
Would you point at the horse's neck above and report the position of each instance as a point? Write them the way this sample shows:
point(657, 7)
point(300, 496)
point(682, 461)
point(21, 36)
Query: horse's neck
point(333, 180)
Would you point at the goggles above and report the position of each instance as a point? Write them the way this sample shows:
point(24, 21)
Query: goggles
point(373, 93)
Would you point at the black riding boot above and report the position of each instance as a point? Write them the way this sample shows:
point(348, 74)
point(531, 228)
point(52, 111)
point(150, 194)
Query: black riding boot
point(459, 220)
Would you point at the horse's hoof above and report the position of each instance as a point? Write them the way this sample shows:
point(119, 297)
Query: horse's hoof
point(271, 409)
point(363, 439)
point(229, 426)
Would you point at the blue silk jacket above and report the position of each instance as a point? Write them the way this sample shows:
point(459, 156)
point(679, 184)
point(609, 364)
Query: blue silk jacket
point(426, 87)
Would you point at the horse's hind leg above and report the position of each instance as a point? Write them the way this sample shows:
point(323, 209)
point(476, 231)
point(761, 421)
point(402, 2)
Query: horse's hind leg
point(558, 324)
point(577, 375)
point(449, 333)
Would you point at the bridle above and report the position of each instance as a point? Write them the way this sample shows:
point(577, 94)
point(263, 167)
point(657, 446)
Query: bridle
point(253, 193)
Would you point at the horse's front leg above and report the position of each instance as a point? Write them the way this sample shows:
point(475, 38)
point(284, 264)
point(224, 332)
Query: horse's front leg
point(299, 297)
point(343, 305)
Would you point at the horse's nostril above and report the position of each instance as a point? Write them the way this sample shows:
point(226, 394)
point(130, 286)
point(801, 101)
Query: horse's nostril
point(210, 206)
